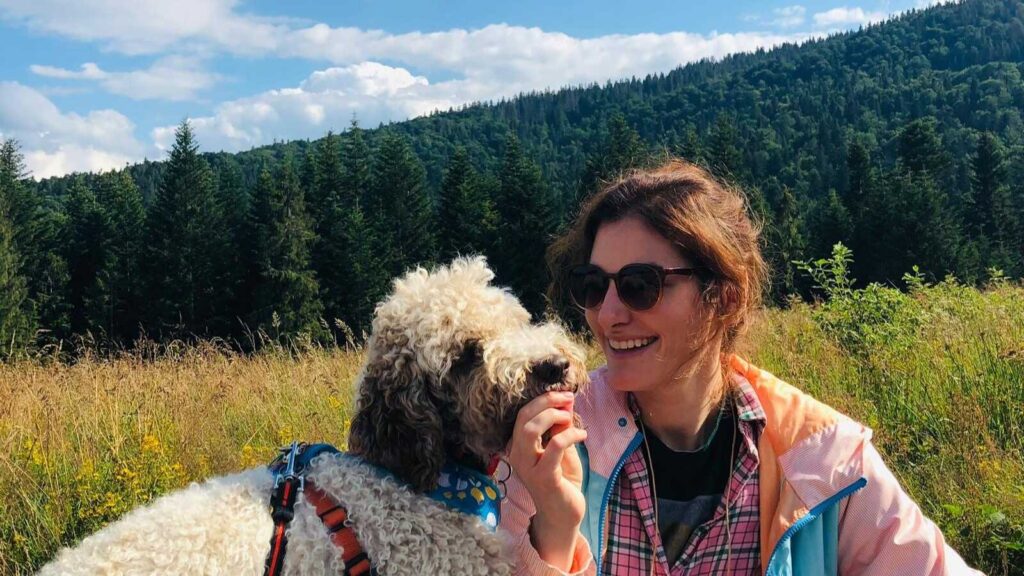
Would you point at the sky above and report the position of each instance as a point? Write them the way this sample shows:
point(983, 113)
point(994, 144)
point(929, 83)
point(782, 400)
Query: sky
point(91, 85)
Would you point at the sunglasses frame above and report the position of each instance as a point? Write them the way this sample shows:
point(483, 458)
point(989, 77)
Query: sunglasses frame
point(609, 277)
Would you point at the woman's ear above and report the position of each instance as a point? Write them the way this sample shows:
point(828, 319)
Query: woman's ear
point(398, 423)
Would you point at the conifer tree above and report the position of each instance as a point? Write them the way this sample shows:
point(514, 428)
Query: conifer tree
point(723, 154)
point(987, 175)
point(286, 292)
point(38, 231)
point(184, 245)
point(789, 245)
point(831, 223)
point(354, 271)
point(87, 258)
point(327, 187)
point(619, 151)
point(17, 325)
point(527, 222)
point(921, 150)
point(357, 167)
point(466, 217)
point(121, 279)
point(399, 208)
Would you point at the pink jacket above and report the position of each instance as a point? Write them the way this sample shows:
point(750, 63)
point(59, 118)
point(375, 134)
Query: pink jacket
point(828, 502)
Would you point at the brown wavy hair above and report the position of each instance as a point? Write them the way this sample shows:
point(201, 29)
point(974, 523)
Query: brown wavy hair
point(707, 220)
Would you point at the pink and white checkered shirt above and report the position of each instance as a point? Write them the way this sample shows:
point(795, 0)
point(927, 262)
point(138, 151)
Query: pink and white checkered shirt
point(633, 532)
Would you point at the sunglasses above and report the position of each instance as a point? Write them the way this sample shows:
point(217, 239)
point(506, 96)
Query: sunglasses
point(639, 286)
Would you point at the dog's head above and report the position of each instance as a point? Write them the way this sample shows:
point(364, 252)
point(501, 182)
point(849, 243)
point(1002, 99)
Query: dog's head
point(450, 361)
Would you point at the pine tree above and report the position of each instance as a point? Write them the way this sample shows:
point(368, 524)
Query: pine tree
point(526, 223)
point(185, 243)
point(399, 207)
point(466, 217)
point(286, 292)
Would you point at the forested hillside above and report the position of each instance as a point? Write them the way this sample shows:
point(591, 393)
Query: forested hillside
point(902, 140)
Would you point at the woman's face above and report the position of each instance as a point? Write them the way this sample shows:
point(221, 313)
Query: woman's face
point(669, 332)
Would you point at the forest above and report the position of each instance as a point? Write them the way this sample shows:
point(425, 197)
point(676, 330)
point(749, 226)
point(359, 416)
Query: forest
point(902, 141)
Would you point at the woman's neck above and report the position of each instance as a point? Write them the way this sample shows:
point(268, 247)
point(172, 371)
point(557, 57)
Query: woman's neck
point(679, 412)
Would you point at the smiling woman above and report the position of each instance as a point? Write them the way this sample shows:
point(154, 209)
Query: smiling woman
point(693, 460)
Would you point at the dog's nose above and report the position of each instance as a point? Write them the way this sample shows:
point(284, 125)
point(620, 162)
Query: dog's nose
point(552, 370)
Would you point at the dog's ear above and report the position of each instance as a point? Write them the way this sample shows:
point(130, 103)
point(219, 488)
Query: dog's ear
point(398, 423)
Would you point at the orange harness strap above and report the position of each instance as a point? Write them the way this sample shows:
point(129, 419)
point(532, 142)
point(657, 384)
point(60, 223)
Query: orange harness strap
point(335, 519)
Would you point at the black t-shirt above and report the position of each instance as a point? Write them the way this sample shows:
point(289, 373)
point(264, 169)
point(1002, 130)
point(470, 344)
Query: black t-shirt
point(689, 485)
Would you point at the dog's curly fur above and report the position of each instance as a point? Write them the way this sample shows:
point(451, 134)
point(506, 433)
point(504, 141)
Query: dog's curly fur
point(450, 361)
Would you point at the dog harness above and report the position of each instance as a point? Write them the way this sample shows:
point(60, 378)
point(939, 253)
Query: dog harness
point(289, 480)
point(458, 487)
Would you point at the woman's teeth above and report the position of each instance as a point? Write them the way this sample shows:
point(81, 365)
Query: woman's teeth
point(629, 344)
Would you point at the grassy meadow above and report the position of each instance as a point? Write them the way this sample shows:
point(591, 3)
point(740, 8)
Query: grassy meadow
point(937, 372)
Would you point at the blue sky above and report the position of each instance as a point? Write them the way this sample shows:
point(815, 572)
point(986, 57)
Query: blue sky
point(90, 85)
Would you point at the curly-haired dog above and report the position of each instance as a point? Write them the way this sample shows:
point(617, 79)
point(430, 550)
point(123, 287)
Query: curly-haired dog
point(450, 361)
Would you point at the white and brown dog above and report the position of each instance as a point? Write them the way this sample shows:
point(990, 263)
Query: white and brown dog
point(450, 361)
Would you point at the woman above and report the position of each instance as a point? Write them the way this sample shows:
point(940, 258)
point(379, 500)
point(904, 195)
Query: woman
point(690, 460)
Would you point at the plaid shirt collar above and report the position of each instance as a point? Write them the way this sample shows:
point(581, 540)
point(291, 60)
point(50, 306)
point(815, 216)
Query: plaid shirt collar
point(633, 537)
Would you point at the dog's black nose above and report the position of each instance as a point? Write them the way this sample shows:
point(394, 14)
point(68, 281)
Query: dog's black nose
point(552, 370)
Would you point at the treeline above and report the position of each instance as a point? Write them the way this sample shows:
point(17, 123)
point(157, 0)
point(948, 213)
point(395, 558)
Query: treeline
point(306, 252)
point(902, 140)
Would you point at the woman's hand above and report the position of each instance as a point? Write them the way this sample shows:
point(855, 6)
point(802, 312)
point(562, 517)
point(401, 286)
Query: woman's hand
point(543, 456)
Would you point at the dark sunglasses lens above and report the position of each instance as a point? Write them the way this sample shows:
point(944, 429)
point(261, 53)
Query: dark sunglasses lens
point(588, 287)
point(640, 287)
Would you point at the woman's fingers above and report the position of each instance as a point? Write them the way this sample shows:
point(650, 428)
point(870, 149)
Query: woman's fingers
point(541, 403)
point(554, 456)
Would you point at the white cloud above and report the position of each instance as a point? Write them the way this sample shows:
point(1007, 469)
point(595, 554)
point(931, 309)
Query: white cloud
point(789, 16)
point(56, 143)
point(90, 71)
point(134, 27)
point(326, 100)
point(170, 78)
point(494, 62)
point(845, 16)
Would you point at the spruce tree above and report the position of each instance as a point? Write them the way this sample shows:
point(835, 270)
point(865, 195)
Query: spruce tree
point(185, 243)
point(399, 207)
point(354, 271)
point(723, 154)
point(620, 150)
point(357, 167)
point(38, 229)
point(121, 279)
point(327, 188)
point(527, 221)
point(987, 175)
point(17, 325)
point(87, 258)
point(789, 245)
point(466, 217)
point(286, 292)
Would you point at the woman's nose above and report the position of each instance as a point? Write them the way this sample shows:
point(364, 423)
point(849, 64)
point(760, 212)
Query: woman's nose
point(612, 311)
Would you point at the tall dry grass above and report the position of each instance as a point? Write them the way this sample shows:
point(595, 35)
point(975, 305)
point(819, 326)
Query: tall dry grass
point(937, 373)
